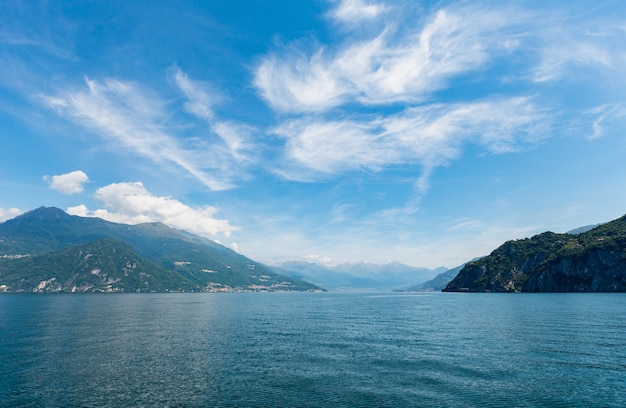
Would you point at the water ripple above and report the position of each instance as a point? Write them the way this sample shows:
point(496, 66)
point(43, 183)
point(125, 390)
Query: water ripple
point(313, 350)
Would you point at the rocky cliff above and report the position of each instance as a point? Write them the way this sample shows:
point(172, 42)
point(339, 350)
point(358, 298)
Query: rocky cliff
point(593, 261)
point(593, 271)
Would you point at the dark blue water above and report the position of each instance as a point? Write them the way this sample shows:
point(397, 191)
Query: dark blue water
point(313, 350)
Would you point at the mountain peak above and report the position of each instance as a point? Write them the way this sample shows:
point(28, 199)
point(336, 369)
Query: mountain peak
point(47, 243)
point(45, 213)
point(38, 215)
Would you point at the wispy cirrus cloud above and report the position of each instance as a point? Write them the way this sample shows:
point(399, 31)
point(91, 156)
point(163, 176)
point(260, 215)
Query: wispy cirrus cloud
point(427, 136)
point(354, 11)
point(368, 102)
point(569, 50)
point(40, 35)
point(200, 98)
point(130, 116)
point(604, 114)
point(403, 63)
point(235, 137)
point(132, 203)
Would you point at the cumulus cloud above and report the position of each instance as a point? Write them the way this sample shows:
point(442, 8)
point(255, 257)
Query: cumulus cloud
point(8, 213)
point(132, 203)
point(69, 183)
point(319, 259)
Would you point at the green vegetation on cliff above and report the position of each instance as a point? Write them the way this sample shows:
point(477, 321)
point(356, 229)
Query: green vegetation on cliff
point(593, 261)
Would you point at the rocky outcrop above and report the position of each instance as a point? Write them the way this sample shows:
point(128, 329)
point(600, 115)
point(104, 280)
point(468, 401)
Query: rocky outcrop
point(596, 271)
point(593, 261)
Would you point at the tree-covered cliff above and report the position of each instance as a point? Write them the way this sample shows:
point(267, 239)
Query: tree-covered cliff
point(593, 261)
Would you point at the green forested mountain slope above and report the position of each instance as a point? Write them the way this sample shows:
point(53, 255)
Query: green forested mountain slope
point(592, 261)
point(106, 265)
point(192, 262)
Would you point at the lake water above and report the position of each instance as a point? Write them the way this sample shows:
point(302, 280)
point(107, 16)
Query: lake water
point(313, 350)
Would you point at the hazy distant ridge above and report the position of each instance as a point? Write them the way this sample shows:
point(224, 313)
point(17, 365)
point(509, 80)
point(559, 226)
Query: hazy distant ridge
point(359, 276)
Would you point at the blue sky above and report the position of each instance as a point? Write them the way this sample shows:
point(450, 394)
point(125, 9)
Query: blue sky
point(334, 131)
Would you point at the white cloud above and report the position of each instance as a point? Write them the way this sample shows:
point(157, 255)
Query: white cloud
point(297, 83)
point(69, 183)
point(79, 210)
point(326, 94)
point(235, 138)
point(7, 214)
point(319, 259)
point(200, 102)
point(569, 52)
point(353, 11)
point(429, 136)
point(402, 63)
point(332, 147)
point(135, 119)
point(132, 203)
point(603, 114)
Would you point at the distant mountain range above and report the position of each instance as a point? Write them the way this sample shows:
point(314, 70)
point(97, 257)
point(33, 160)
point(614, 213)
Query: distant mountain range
point(47, 250)
point(593, 260)
point(358, 276)
point(437, 284)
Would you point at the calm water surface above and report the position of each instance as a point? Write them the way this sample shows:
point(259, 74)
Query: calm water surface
point(313, 350)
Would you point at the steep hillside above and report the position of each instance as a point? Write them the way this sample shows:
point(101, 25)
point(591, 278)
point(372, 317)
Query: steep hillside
point(105, 265)
point(592, 261)
point(208, 265)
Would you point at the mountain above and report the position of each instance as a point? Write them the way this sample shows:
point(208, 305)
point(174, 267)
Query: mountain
point(48, 243)
point(580, 230)
point(358, 276)
point(591, 261)
point(106, 265)
point(437, 284)
point(324, 277)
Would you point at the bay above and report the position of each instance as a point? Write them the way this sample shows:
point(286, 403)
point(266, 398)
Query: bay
point(313, 350)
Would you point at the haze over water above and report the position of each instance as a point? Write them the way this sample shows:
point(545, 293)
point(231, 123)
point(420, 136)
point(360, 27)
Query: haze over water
point(314, 350)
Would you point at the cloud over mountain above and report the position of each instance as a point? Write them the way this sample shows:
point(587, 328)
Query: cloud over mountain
point(132, 203)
